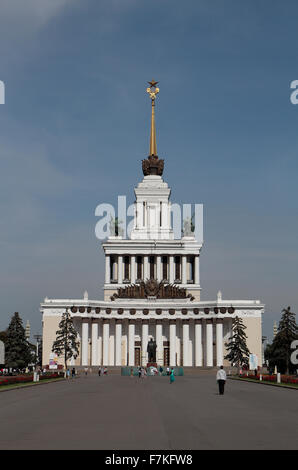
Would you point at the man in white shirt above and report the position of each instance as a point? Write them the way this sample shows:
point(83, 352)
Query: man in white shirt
point(221, 378)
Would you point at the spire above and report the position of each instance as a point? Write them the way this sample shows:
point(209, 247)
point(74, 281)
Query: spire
point(153, 90)
point(152, 165)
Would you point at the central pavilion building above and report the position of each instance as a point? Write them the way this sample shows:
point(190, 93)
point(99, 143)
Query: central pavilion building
point(152, 290)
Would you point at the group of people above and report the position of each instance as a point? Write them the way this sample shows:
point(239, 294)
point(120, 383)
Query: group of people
point(142, 372)
point(221, 375)
point(102, 371)
point(73, 373)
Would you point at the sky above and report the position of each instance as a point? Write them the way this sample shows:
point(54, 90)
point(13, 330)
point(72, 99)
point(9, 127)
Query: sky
point(75, 126)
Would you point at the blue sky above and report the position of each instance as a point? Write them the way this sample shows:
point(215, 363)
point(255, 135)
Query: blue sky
point(75, 127)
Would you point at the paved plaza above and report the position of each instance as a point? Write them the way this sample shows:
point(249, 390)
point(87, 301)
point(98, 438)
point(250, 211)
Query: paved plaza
point(115, 412)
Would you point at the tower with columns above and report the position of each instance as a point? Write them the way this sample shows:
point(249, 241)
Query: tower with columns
point(152, 290)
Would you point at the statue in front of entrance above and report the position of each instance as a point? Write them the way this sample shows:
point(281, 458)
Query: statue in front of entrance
point(151, 350)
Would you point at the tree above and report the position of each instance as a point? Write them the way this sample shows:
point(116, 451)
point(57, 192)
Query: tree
point(238, 352)
point(66, 339)
point(17, 349)
point(279, 352)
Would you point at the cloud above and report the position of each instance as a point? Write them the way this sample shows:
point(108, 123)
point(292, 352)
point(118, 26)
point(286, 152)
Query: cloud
point(29, 181)
point(29, 13)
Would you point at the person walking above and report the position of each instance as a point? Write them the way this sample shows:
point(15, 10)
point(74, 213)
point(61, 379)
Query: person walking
point(172, 376)
point(99, 371)
point(73, 373)
point(221, 378)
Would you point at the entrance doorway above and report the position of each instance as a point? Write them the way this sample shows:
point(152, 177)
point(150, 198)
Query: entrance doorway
point(166, 357)
point(137, 357)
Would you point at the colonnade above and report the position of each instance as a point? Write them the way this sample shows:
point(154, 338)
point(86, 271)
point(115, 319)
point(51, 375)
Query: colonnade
point(158, 270)
point(207, 334)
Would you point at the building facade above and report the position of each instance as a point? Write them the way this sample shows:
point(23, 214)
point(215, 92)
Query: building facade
point(152, 290)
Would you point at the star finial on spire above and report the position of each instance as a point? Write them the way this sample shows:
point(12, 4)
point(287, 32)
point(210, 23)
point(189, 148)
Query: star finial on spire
point(153, 83)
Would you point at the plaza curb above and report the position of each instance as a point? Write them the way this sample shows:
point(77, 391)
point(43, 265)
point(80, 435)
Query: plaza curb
point(264, 383)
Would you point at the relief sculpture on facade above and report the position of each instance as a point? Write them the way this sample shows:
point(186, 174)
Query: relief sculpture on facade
point(152, 288)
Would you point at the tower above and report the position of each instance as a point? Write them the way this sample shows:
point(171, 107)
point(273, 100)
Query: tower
point(152, 290)
point(152, 252)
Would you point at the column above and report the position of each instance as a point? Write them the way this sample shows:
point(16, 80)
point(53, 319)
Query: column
point(120, 269)
point(185, 327)
point(131, 343)
point(85, 334)
point(197, 270)
point(105, 340)
point(145, 270)
point(158, 268)
point(159, 343)
point(171, 269)
point(94, 342)
point(183, 258)
point(99, 342)
point(139, 215)
point(219, 343)
point(198, 344)
point(164, 215)
point(209, 343)
point(172, 343)
point(133, 269)
point(108, 269)
point(118, 334)
point(145, 332)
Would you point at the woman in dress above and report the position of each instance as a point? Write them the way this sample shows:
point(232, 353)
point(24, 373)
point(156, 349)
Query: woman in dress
point(172, 377)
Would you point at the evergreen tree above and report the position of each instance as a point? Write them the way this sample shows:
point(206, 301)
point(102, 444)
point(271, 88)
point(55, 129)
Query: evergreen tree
point(279, 352)
point(17, 349)
point(66, 339)
point(238, 352)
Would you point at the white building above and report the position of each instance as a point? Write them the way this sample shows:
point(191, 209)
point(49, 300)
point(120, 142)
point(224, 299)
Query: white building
point(159, 297)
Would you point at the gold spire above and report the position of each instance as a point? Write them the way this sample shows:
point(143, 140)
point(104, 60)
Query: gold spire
point(153, 90)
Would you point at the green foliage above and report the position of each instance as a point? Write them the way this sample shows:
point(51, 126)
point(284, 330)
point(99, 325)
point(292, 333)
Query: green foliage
point(238, 352)
point(66, 339)
point(279, 352)
point(18, 353)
